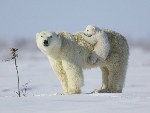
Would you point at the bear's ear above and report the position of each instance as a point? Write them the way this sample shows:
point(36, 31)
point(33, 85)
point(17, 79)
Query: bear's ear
point(54, 33)
point(37, 35)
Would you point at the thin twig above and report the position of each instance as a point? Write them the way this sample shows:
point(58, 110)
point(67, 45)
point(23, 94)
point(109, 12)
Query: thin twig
point(14, 56)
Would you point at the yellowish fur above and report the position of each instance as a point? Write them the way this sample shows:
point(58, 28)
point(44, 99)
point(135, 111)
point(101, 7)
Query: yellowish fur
point(68, 56)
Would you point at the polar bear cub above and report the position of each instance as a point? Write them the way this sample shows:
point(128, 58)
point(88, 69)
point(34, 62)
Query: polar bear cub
point(99, 38)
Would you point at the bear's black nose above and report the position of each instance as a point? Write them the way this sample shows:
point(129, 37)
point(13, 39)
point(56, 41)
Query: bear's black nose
point(45, 43)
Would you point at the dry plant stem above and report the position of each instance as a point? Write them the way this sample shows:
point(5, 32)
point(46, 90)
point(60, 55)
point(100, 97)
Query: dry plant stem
point(14, 55)
point(17, 78)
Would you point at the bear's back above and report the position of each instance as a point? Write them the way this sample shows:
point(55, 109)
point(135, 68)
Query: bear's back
point(117, 42)
point(77, 38)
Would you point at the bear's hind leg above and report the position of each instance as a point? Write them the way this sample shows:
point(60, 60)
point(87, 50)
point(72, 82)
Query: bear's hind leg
point(116, 79)
point(104, 87)
point(105, 74)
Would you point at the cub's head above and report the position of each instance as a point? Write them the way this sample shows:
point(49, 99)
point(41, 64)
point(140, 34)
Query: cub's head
point(48, 42)
point(91, 30)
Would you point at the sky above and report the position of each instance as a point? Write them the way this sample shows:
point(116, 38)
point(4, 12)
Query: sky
point(24, 18)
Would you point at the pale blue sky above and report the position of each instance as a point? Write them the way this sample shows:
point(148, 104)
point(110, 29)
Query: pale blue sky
point(23, 18)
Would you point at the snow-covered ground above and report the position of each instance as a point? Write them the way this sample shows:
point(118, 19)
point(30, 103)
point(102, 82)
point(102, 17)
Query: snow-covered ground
point(35, 70)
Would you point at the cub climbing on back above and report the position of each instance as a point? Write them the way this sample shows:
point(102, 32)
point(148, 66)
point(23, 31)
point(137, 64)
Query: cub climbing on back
point(99, 38)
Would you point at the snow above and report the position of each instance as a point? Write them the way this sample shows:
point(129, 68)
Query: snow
point(43, 85)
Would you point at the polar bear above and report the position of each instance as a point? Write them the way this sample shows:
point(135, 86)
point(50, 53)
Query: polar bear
point(68, 56)
point(99, 38)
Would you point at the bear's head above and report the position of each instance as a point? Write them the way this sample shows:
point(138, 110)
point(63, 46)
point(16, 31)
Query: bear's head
point(48, 42)
point(91, 30)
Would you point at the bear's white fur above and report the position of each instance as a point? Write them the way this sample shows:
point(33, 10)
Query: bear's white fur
point(68, 56)
point(99, 38)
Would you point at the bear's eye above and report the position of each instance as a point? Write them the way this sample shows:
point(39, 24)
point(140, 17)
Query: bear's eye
point(87, 30)
point(41, 36)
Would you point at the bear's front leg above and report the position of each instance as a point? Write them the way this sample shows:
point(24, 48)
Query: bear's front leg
point(74, 75)
point(61, 74)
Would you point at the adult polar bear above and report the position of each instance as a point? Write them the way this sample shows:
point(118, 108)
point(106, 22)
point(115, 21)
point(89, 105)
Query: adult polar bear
point(68, 56)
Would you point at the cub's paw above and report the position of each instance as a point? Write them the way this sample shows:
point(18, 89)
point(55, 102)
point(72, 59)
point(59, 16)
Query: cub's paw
point(93, 59)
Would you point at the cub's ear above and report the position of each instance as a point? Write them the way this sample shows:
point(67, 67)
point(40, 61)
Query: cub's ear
point(93, 27)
